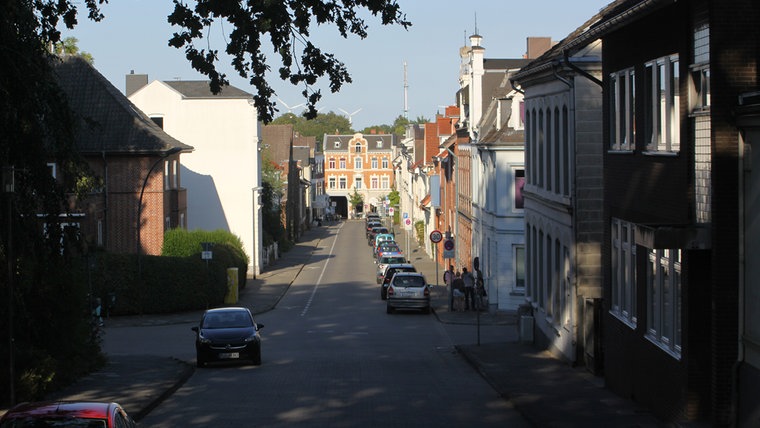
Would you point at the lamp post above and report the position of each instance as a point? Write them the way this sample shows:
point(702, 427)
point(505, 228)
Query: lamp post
point(165, 155)
point(9, 188)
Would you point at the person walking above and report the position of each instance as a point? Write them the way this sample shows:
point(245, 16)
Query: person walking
point(469, 289)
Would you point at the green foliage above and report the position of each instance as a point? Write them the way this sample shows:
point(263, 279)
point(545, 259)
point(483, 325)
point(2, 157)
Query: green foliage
point(395, 200)
point(183, 243)
point(287, 25)
point(68, 46)
point(419, 228)
point(397, 128)
point(356, 199)
point(330, 123)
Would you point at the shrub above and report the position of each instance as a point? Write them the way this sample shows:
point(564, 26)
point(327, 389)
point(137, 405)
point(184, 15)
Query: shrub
point(183, 243)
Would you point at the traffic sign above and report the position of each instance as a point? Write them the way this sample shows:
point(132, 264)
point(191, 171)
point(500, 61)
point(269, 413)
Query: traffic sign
point(408, 223)
point(448, 244)
point(390, 211)
point(436, 236)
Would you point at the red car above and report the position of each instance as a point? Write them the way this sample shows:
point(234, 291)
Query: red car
point(67, 414)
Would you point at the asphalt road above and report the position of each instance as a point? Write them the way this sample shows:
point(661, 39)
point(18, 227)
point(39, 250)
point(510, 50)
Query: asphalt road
point(331, 357)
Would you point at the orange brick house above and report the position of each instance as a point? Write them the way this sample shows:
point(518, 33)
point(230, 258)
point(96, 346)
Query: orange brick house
point(358, 162)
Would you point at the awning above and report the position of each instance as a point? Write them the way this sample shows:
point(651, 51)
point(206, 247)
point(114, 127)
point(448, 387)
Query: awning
point(425, 202)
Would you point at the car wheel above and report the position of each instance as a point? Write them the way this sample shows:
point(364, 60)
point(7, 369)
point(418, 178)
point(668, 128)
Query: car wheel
point(200, 361)
point(382, 295)
point(256, 360)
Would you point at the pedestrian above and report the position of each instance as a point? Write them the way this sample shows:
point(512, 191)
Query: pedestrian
point(97, 312)
point(469, 289)
point(448, 276)
point(458, 292)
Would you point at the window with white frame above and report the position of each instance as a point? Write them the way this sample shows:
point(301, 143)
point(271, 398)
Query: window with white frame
point(342, 163)
point(342, 182)
point(664, 299)
point(357, 182)
point(336, 144)
point(622, 110)
point(623, 270)
point(385, 163)
point(662, 119)
point(358, 162)
point(358, 147)
point(373, 182)
point(374, 163)
point(331, 163)
point(519, 270)
point(331, 182)
point(385, 183)
point(379, 144)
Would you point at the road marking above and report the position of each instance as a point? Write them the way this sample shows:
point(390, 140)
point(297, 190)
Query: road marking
point(324, 268)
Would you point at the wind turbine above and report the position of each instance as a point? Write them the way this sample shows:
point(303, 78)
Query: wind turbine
point(350, 115)
point(290, 109)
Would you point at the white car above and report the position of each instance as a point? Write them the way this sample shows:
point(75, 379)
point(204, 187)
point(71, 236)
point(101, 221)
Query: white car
point(408, 290)
point(384, 260)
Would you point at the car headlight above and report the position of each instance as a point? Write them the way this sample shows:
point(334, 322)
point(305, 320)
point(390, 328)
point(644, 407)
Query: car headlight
point(252, 338)
point(202, 339)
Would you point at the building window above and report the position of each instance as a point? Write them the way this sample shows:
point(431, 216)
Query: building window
point(358, 162)
point(662, 119)
point(519, 252)
point(331, 163)
point(357, 182)
point(373, 182)
point(374, 163)
point(379, 144)
point(342, 163)
point(623, 262)
point(358, 147)
point(385, 163)
point(622, 110)
point(664, 299)
point(331, 182)
point(385, 183)
point(53, 168)
point(518, 191)
point(342, 182)
point(158, 120)
point(336, 144)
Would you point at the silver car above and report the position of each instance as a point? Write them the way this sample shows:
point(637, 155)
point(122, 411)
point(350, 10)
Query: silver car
point(408, 290)
point(386, 259)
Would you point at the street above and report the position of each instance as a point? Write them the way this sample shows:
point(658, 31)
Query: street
point(331, 357)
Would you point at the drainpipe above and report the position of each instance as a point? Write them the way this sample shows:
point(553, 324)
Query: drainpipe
point(566, 60)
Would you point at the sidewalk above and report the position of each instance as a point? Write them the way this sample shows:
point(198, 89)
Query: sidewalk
point(546, 391)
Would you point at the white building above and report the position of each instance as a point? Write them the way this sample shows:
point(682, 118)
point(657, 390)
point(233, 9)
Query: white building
point(223, 174)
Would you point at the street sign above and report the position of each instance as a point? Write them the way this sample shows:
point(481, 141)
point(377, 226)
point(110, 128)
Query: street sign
point(408, 223)
point(448, 244)
point(390, 211)
point(436, 236)
point(406, 215)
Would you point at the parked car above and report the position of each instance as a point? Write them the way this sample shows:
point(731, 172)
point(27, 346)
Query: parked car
point(408, 290)
point(383, 237)
point(227, 334)
point(384, 260)
point(374, 232)
point(391, 270)
point(371, 225)
point(386, 247)
point(67, 414)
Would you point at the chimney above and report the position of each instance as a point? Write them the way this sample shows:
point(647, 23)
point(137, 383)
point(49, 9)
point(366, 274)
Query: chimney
point(537, 46)
point(135, 82)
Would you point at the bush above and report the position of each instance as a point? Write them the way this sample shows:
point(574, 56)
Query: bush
point(183, 243)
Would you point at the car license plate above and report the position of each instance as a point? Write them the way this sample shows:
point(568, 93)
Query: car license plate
point(229, 355)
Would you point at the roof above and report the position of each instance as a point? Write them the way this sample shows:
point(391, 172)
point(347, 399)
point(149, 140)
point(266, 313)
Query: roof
point(201, 89)
point(108, 121)
point(615, 13)
point(375, 142)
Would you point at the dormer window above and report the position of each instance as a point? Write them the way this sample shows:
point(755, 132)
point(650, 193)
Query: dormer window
point(337, 144)
point(358, 148)
point(379, 144)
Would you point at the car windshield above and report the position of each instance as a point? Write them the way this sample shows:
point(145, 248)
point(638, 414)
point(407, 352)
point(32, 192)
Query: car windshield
point(409, 281)
point(42, 422)
point(388, 260)
point(227, 320)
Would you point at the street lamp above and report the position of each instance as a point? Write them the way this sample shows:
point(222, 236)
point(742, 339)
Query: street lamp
point(165, 155)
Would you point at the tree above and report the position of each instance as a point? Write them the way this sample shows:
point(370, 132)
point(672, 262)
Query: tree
point(322, 124)
point(68, 46)
point(356, 200)
point(287, 24)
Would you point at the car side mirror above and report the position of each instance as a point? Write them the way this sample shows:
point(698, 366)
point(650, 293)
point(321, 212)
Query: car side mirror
point(259, 326)
point(194, 328)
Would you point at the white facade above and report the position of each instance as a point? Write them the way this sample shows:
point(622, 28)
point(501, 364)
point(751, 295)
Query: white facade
point(223, 174)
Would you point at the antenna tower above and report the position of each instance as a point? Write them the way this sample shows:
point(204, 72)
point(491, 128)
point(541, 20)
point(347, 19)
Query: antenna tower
point(406, 94)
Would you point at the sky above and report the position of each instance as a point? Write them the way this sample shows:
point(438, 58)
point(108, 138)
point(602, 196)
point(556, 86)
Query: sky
point(133, 38)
